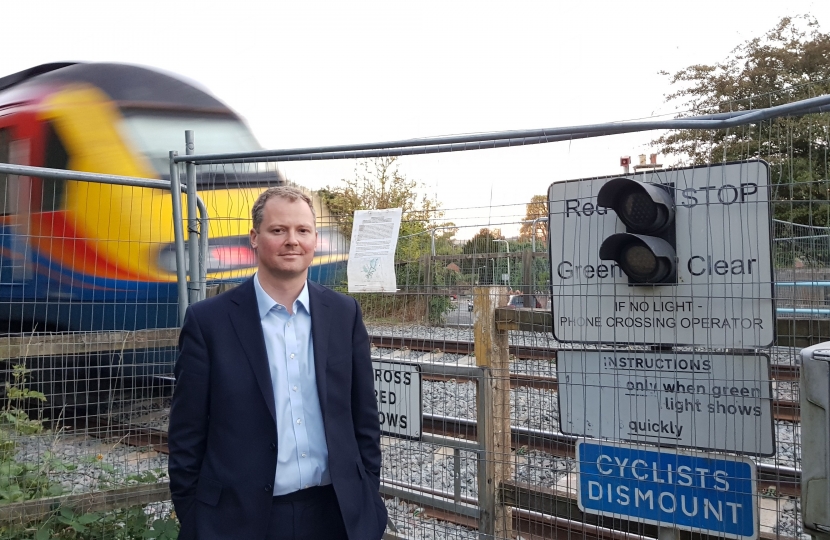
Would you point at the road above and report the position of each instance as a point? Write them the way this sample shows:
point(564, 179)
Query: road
point(459, 315)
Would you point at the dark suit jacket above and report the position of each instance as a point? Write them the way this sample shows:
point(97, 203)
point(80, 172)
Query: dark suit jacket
point(223, 434)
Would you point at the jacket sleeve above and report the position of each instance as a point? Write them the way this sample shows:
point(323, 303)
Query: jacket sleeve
point(364, 404)
point(189, 413)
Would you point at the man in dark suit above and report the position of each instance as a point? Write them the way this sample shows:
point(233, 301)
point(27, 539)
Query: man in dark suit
point(274, 431)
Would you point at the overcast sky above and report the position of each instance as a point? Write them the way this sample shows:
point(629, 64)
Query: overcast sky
point(313, 73)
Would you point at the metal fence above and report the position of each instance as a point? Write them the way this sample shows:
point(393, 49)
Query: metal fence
point(85, 411)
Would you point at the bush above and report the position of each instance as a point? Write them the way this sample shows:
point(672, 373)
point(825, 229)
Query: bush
point(439, 306)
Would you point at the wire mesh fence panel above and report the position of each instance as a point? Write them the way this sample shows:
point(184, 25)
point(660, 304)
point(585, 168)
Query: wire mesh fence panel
point(574, 375)
point(89, 330)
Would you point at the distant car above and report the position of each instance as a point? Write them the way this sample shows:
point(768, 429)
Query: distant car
point(518, 301)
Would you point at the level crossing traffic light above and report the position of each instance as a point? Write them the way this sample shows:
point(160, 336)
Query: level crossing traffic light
point(646, 252)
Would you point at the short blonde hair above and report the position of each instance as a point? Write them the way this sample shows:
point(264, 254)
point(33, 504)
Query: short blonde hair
point(289, 193)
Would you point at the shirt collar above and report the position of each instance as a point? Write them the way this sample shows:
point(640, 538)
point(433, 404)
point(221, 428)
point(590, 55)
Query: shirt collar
point(265, 303)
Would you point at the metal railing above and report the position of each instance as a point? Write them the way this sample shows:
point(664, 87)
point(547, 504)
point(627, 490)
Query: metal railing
point(198, 236)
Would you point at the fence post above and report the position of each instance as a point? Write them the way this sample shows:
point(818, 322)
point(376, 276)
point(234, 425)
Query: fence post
point(528, 286)
point(192, 223)
point(426, 264)
point(178, 235)
point(494, 465)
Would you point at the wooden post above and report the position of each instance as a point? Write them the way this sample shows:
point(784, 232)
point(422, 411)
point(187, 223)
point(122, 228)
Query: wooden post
point(495, 466)
point(528, 287)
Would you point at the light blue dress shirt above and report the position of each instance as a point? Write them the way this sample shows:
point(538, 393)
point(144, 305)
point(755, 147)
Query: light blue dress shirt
point(302, 454)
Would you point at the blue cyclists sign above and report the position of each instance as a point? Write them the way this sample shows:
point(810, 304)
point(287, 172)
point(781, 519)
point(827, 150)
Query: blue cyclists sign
point(669, 487)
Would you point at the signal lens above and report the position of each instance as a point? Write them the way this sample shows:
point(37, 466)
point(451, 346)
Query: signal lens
point(639, 261)
point(639, 209)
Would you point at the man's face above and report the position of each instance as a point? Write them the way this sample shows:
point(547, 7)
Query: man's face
point(286, 239)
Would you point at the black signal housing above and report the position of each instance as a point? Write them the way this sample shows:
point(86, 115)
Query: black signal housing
point(646, 252)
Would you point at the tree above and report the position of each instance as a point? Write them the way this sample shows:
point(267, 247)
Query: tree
point(536, 208)
point(378, 185)
point(482, 243)
point(790, 62)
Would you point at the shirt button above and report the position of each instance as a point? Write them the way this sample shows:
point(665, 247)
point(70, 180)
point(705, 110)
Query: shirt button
point(292, 355)
point(303, 454)
point(299, 420)
point(268, 488)
point(273, 446)
point(305, 486)
point(295, 388)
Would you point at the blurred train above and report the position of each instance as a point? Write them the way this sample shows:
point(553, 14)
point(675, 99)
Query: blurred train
point(87, 256)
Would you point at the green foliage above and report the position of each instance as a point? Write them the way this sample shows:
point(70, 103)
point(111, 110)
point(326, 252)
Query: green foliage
point(439, 306)
point(14, 415)
point(378, 184)
point(125, 524)
point(484, 270)
point(21, 481)
point(790, 62)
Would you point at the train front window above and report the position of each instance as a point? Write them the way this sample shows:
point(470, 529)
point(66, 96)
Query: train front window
point(55, 157)
point(155, 134)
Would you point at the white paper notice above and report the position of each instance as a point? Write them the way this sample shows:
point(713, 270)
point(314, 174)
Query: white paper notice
point(371, 265)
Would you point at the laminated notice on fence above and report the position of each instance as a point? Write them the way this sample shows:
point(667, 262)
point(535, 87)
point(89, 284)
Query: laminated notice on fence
point(371, 265)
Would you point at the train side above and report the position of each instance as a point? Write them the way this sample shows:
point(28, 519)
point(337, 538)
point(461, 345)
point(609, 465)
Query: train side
point(87, 256)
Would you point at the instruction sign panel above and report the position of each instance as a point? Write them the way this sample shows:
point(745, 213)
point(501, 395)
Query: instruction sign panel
point(709, 494)
point(398, 393)
point(723, 291)
point(701, 400)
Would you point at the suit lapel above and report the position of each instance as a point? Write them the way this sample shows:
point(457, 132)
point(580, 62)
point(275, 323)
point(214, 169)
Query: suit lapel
point(248, 326)
point(320, 323)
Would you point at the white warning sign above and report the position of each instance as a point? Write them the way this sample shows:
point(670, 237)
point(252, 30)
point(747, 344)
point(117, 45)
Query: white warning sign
point(720, 293)
point(702, 400)
point(398, 393)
